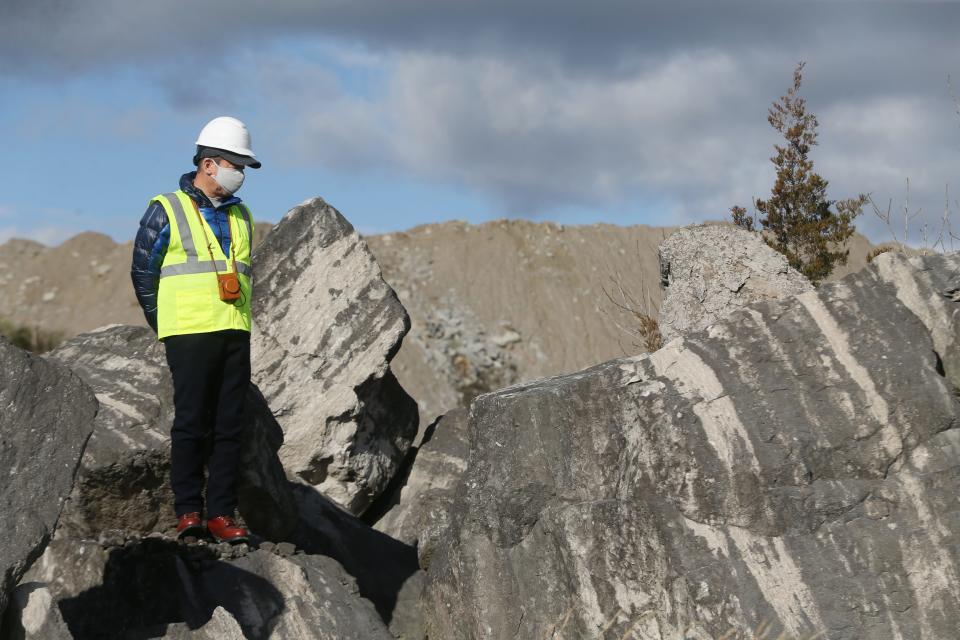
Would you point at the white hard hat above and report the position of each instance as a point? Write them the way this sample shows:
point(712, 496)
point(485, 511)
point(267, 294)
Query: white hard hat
point(229, 135)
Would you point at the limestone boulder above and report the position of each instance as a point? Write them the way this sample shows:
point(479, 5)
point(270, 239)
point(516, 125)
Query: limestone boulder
point(326, 328)
point(46, 417)
point(793, 469)
point(707, 271)
point(124, 479)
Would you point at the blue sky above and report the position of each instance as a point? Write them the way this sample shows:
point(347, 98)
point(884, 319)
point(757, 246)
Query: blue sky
point(412, 112)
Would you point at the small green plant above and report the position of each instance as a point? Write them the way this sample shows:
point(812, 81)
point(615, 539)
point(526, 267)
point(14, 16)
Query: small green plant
point(32, 339)
point(797, 219)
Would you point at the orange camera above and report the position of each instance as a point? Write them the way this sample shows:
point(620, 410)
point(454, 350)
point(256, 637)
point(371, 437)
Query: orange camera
point(229, 285)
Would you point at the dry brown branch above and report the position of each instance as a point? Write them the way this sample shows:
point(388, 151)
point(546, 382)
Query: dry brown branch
point(641, 325)
point(930, 243)
point(900, 243)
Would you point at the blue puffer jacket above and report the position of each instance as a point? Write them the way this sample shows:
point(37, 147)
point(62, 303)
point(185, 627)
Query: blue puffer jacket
point(153, 237)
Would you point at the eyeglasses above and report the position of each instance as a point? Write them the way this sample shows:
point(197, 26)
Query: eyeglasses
point(229, 165)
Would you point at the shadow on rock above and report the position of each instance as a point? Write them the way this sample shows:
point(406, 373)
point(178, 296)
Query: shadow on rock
point(157, 583)
point(386, 570)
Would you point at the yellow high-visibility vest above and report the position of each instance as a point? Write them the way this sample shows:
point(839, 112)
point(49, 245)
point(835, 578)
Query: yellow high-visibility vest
point(188, 298)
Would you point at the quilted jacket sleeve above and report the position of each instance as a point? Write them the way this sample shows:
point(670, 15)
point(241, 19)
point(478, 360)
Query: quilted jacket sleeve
point(149, 249)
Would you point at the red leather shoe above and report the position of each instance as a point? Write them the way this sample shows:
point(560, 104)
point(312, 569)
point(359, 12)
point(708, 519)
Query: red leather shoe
point(225, 529)
point(190, 524)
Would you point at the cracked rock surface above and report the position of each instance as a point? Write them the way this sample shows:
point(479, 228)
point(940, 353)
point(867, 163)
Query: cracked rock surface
point(794, 467)
point(46, 417)
point(709, 271)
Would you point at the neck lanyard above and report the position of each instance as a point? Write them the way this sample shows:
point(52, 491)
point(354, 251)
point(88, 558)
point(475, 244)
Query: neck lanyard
point(210, 245)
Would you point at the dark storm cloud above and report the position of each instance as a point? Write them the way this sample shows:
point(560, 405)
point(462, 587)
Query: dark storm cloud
point(873, 47)
point(595, 36)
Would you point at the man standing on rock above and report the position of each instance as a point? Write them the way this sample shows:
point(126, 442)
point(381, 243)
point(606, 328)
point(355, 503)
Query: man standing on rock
point(191, 273)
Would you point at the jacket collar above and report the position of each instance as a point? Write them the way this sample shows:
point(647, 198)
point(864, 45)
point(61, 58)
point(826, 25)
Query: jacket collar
point(186, 185)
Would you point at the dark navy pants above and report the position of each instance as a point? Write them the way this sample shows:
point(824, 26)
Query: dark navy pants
point(211, 374)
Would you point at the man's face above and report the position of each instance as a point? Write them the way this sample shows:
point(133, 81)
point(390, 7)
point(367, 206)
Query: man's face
point(210, 168)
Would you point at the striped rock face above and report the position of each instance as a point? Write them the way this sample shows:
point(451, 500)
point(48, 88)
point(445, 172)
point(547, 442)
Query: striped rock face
point(326, 326)
point(124, 476)
point(794, 469)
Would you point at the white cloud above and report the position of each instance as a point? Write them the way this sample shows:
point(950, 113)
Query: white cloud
point(538, 135)
point(533, 135)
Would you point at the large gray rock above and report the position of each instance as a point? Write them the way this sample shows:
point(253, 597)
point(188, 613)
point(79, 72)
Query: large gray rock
point(418, 508)
point(46, 417)
point(124, 478)
point(158, 588)
point(326, 326)
point(795, 468)
point(709, 271)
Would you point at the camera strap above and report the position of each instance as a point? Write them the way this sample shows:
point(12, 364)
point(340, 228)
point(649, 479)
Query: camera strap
point(228, 284)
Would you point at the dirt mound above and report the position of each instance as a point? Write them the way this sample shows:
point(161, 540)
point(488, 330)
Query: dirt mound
point(490, 304)
point(79, 285)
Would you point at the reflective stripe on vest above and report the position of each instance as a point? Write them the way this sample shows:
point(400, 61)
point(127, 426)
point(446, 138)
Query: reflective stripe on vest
point(202, 267)
point(181, 217)
point(188, 299)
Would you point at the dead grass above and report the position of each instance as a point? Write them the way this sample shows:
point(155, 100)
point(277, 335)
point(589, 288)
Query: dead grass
point(638, 314)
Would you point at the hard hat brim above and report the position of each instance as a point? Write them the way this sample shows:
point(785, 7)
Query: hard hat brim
point(229, 156)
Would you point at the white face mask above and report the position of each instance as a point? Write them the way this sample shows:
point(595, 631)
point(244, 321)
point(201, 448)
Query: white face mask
point(229, 179)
